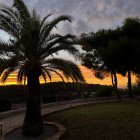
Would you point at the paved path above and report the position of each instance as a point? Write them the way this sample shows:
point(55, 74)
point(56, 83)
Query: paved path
point(15, 121)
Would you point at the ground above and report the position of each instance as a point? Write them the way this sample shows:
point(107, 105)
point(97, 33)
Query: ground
point(106, 121)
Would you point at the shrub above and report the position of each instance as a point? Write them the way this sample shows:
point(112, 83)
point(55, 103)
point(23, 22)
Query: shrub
point(5, 105)
point(104, 91)
point(49, 99)
point(136, 88)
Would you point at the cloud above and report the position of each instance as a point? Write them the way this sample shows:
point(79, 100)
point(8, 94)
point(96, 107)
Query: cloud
point(8, 2)
point(89, 15)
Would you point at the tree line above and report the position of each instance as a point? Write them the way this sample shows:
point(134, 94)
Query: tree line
point(112, 51)
point(16, 94)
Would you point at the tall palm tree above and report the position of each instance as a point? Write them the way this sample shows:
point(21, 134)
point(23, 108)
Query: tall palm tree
point(32, 50)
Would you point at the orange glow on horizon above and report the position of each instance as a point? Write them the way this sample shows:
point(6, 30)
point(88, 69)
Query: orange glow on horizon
point(90, 78)
point(87, 73)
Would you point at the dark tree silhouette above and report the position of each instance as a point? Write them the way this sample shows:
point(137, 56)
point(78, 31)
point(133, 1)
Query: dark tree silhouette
point(31, 52)
point(118, 51)
point(105, 63)
point(131, 30)
point(126, 59)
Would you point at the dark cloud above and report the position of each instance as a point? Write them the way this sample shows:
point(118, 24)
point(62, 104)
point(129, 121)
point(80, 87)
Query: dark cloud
point(89, 15)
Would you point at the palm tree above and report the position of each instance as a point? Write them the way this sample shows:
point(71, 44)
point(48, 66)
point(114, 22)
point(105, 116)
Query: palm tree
point(32, 50)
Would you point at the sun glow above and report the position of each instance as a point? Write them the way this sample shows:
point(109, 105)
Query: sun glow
point(88, 74)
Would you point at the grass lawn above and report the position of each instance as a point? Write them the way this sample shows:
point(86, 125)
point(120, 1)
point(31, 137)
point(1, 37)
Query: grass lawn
point(106, 121)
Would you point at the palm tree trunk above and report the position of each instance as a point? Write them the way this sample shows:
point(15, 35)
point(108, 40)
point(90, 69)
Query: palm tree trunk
point(116, 85)
point(129, 85)
point(33, 124)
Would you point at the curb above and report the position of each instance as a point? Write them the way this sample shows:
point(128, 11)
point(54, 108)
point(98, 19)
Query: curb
point(60, 133)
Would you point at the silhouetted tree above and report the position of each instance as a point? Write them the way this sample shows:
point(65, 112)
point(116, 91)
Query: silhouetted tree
point(118, 49)
point(105, 63)
point(32, 49)
point(131, 48)
point(126, 59)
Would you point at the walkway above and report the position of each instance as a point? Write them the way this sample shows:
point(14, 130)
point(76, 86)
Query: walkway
point(15, 121)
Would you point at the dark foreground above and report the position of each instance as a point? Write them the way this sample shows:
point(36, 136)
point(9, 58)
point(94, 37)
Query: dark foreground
point(49, 131)
point(106, 121)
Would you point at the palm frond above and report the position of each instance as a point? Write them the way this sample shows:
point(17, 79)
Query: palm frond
point(10, 63)
point(35, 17)
point(57, 73)
point(5, 47)
point(46, 30)
point(49, 39)
point(2, 65)
point(44, 19)
point(43, 74)
point(20, 75)
point(47, 73)
point(9, 25)
point(6, 73)
point(11, 14)
point(23, 12)
point(68, 68)
point(68, 48)
point(65, 43)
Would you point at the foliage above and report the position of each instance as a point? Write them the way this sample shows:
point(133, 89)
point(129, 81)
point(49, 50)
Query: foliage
point(60, 87)
point(104, 91)
point(113, 51)
point(136, 86)
point(101, 58)
point(131, 28)
point(14, 93)
point(5, 105)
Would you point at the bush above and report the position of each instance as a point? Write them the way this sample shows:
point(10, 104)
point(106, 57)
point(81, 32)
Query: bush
point(5, 105)
point(136, 88)
point(104, 91)
point(49, 99)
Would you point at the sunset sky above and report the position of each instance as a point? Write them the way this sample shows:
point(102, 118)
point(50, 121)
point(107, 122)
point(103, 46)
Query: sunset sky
point(88, 15)
point(89, 77)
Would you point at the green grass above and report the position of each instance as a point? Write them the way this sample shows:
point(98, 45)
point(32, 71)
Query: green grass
point(107, 121)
